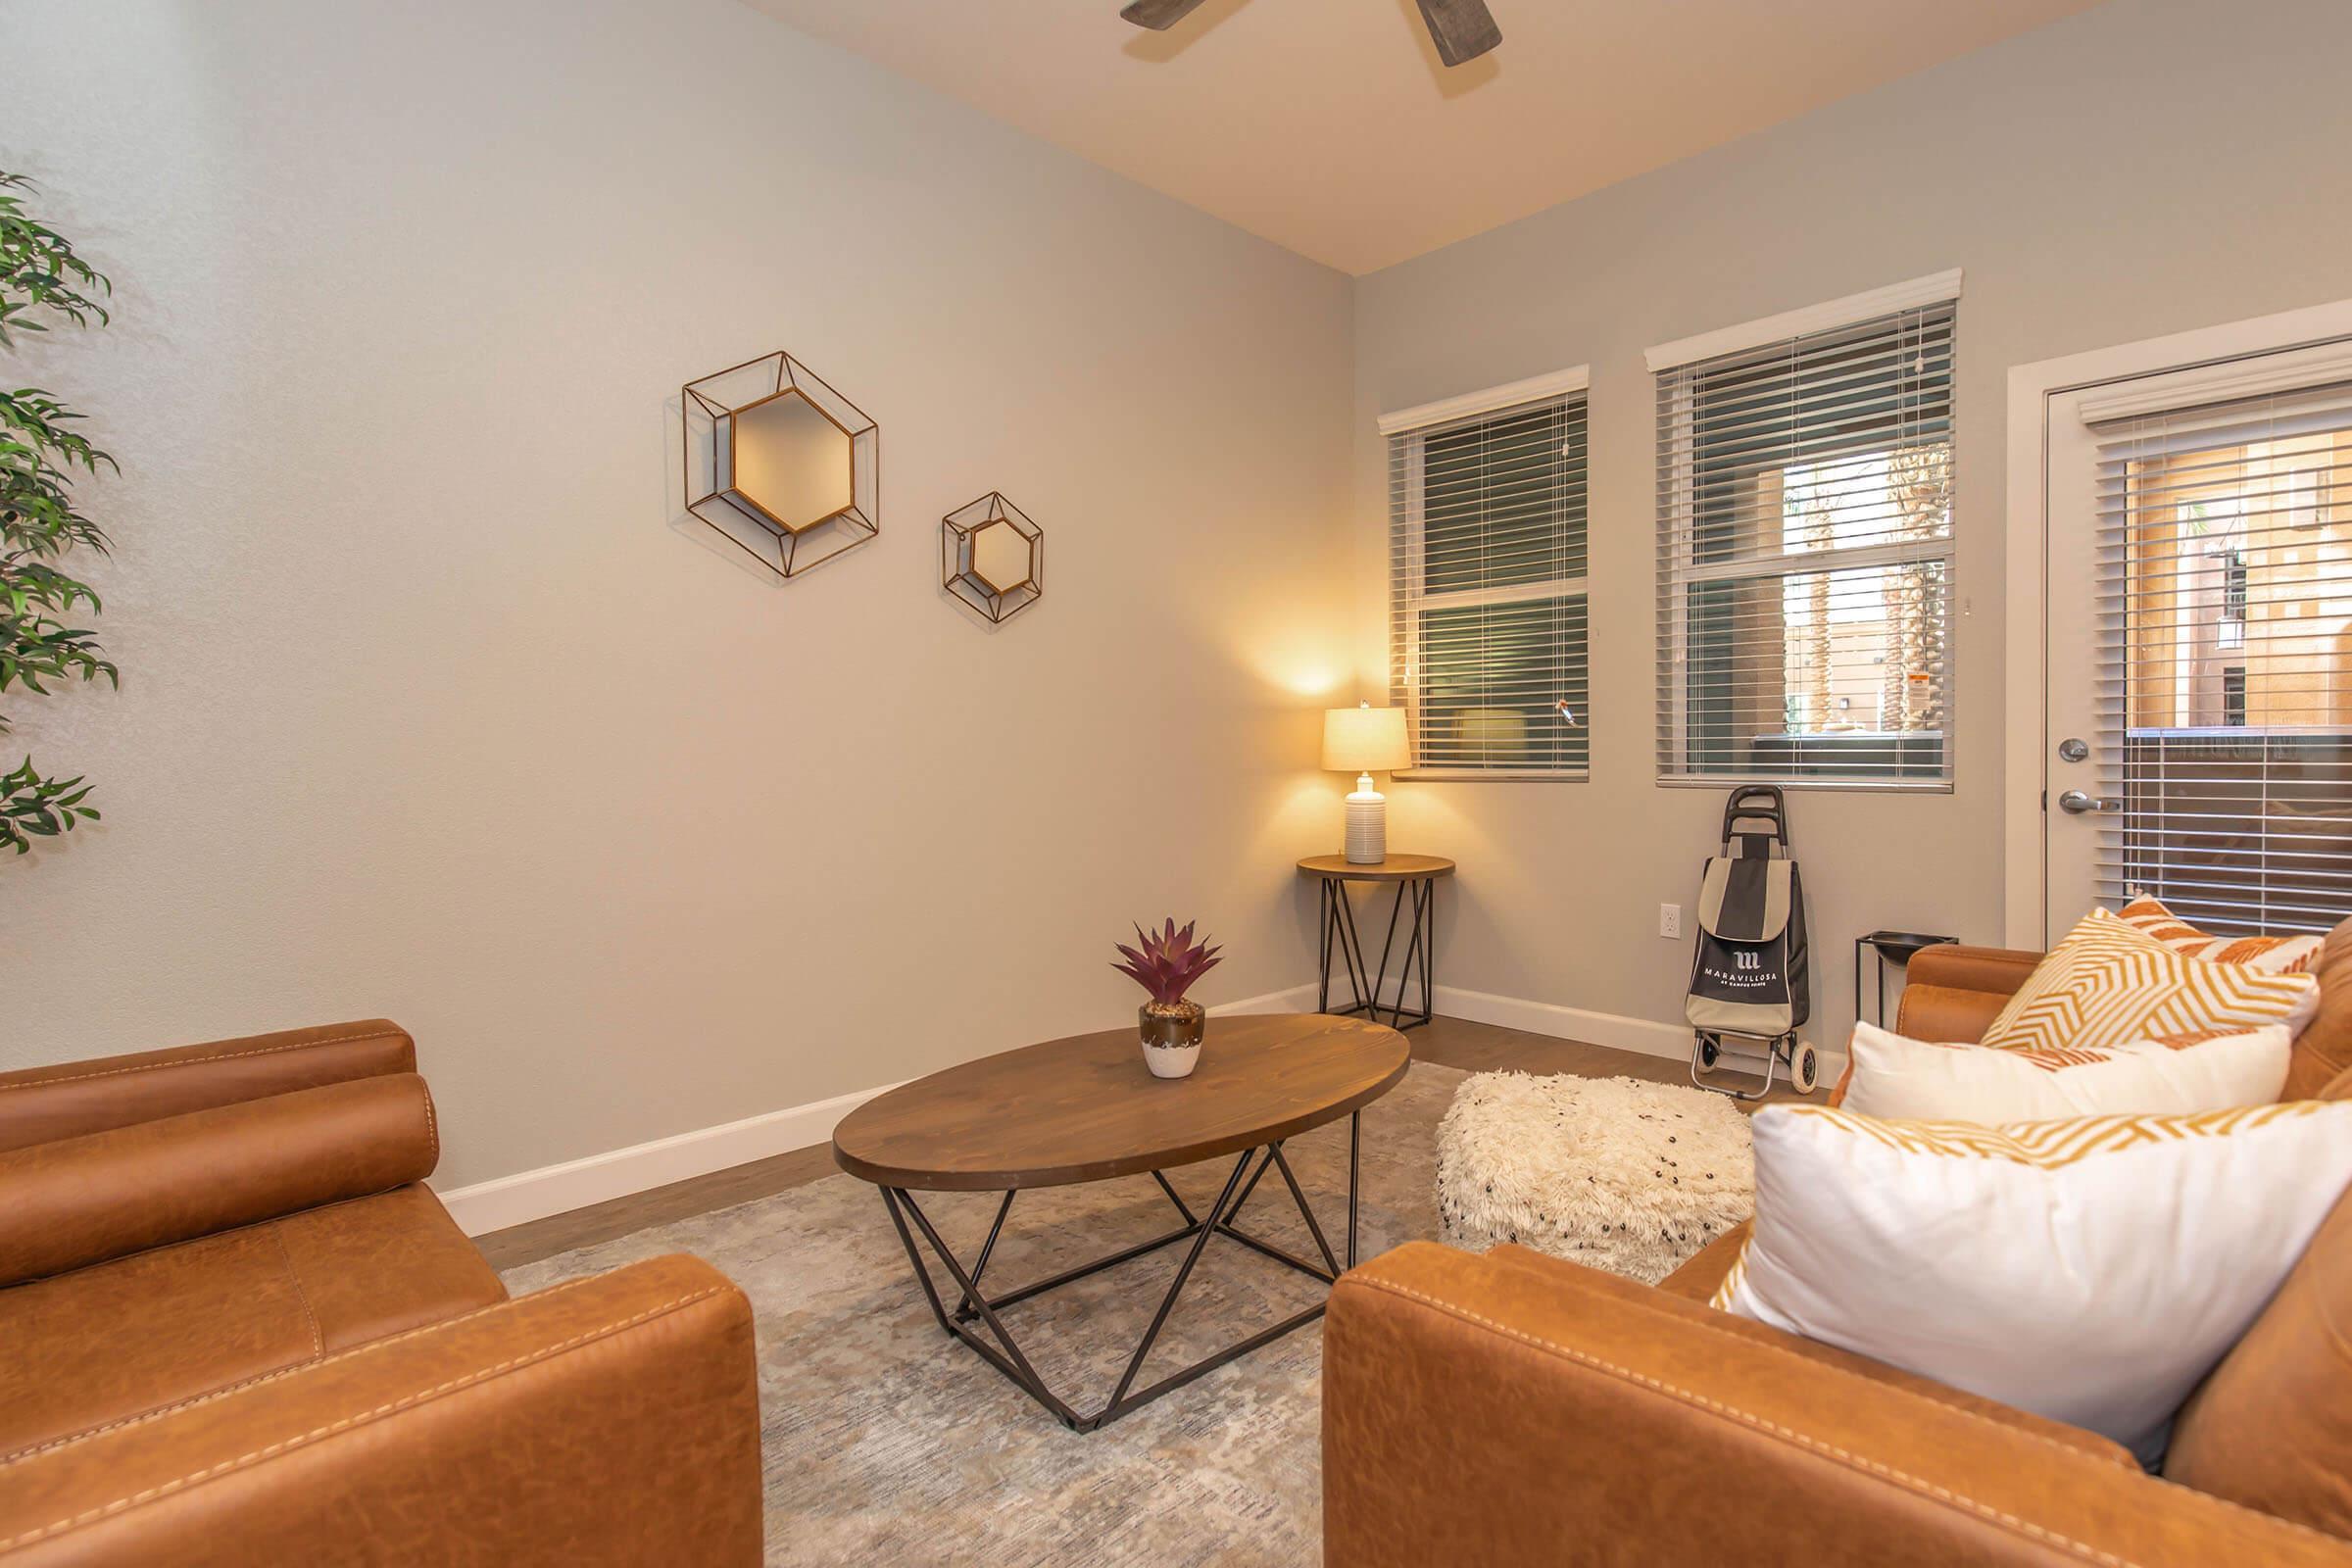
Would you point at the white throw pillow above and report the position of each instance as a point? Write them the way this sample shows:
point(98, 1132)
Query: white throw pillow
point(2092, 1271)
point(1893, 1077)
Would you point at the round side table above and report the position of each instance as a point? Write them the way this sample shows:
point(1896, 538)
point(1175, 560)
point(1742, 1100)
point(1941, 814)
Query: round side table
point(1415, 877)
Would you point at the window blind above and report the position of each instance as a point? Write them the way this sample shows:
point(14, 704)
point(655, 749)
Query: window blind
point(2223, 580)
point(1805, 557)
point(1487, 563)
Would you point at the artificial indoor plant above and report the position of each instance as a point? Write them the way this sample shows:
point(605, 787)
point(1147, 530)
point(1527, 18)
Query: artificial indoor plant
point(1167, 966)
point(42, 281)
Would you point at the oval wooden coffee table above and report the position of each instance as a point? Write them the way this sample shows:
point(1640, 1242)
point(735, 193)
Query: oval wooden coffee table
point(1087, 1110)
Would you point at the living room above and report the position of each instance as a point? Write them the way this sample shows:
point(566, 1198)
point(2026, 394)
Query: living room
point(1643, 602)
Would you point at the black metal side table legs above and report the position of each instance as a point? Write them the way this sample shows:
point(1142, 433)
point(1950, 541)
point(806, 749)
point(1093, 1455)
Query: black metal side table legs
point(1004, 1354)
point(1365, 985)
point(1900, 946)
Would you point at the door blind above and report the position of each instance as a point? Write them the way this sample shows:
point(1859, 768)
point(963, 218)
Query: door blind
point(1805, 558)
point(2223, 602)
point(1487, 627)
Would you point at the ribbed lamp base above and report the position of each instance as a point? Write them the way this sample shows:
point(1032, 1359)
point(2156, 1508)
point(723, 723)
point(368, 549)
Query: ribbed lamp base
point(1367, 828)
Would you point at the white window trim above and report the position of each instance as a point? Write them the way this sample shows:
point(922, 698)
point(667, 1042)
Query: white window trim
point(2162, 367)
point(1934, 289)
point(1535, 389)
point(1414, 425)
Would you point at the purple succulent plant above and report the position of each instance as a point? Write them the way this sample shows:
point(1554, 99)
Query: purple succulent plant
point(1169, 962)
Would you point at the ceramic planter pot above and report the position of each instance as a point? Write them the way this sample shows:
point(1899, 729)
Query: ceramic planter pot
point(1171, 1035)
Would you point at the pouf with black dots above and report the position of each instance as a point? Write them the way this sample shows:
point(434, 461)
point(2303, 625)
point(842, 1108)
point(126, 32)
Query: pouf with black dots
point(1617, 1173)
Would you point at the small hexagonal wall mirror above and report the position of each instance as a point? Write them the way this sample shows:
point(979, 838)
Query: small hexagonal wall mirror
point(778, 462)
point(992, 557)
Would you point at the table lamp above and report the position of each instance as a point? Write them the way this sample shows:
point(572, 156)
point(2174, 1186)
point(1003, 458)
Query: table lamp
point(1365, 740)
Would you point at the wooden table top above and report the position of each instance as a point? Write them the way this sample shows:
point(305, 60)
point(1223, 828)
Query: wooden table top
point(1087, 1108)
point(1396, 868)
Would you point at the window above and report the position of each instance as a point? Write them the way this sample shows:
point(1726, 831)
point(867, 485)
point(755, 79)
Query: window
point(1806, 546)
point(1487, 625)
point(2233, 603)
point(2230, 664)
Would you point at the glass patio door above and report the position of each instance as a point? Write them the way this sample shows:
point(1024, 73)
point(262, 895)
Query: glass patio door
point(2198, 735)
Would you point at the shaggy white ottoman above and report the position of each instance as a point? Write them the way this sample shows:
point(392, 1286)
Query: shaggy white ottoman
point(1616, 1173)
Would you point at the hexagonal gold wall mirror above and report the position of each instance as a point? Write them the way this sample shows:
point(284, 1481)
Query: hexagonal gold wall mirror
point(781, 465)
point(992, 557)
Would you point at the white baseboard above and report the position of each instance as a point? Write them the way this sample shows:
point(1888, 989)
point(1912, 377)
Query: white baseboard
point(1644, 1035)
point(530, 1195)
point(1565, 1023)
point(1297, 998)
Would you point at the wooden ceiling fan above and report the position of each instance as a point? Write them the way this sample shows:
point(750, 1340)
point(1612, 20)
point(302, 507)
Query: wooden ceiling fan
point(1462, 29)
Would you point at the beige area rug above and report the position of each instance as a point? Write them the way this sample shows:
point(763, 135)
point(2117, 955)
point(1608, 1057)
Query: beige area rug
point(888, 1443)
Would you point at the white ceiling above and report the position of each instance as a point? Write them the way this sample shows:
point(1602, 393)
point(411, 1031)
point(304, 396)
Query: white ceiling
point(1330, 128)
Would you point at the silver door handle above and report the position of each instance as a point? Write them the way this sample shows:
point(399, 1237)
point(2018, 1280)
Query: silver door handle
point(2077, 803)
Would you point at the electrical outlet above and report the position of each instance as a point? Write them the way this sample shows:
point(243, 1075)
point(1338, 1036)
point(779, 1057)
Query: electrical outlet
point(1669, 921)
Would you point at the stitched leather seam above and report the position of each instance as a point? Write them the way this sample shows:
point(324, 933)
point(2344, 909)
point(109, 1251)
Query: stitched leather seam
point(347, 1423)
point(1808, 1363)
point(226, 1389)
point(199, 1061)
point(231, 1230)
point(1846, 1457)
point(294, 1277)
point(1907, 1482)
point(150, 1413)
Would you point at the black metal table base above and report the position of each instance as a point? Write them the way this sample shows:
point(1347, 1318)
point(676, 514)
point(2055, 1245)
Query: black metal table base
point(1005, 1354)
point(1365, 984)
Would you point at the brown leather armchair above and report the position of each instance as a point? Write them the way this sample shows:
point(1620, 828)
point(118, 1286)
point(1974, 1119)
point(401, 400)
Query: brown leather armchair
point(236, 1327)
point(1511, 1408)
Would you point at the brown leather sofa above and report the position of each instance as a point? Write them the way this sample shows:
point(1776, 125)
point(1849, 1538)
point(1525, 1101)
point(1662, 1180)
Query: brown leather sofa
point(1510, 1408)
point(236, 1327)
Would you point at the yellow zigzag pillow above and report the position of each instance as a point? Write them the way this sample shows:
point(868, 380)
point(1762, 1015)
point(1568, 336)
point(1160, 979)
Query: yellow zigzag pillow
point(2270, 954)
point(2108, 983)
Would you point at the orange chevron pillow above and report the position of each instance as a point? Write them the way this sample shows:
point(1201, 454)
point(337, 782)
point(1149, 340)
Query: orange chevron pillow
point(2110, 984)
point(2270, 954)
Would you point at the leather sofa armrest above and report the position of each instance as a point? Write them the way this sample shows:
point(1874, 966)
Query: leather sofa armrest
point(1961, 967)
point(39, 1105)
point(614, 1420)
point(75, 1202)
point(1478, 1411)
point(1953, 992)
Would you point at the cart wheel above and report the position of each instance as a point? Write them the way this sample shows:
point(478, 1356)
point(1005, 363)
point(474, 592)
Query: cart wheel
point(1709, 1053)
point(1804, 1066)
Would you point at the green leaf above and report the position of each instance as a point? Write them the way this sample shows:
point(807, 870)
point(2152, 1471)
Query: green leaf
point(44, 452)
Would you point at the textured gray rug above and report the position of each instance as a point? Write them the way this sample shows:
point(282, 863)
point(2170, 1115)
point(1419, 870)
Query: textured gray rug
point(888, 1443)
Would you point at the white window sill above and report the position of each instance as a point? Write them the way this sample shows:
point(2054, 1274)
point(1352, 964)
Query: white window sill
point(1493, 775)
point(1879, 786)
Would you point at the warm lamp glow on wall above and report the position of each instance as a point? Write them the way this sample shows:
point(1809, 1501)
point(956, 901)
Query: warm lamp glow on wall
point(1365, 740)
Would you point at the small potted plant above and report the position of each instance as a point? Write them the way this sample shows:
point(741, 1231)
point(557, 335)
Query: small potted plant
point(1167, 966)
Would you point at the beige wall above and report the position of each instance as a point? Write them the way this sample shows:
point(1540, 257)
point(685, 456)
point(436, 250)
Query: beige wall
point(2148, 167)
point(431, 709)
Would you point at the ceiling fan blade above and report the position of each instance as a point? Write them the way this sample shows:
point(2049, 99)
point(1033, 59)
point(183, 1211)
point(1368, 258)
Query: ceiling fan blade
point(1462, 29)
point(1157, 15)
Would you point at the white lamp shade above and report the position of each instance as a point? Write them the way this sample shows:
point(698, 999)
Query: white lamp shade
point(1365, 740)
